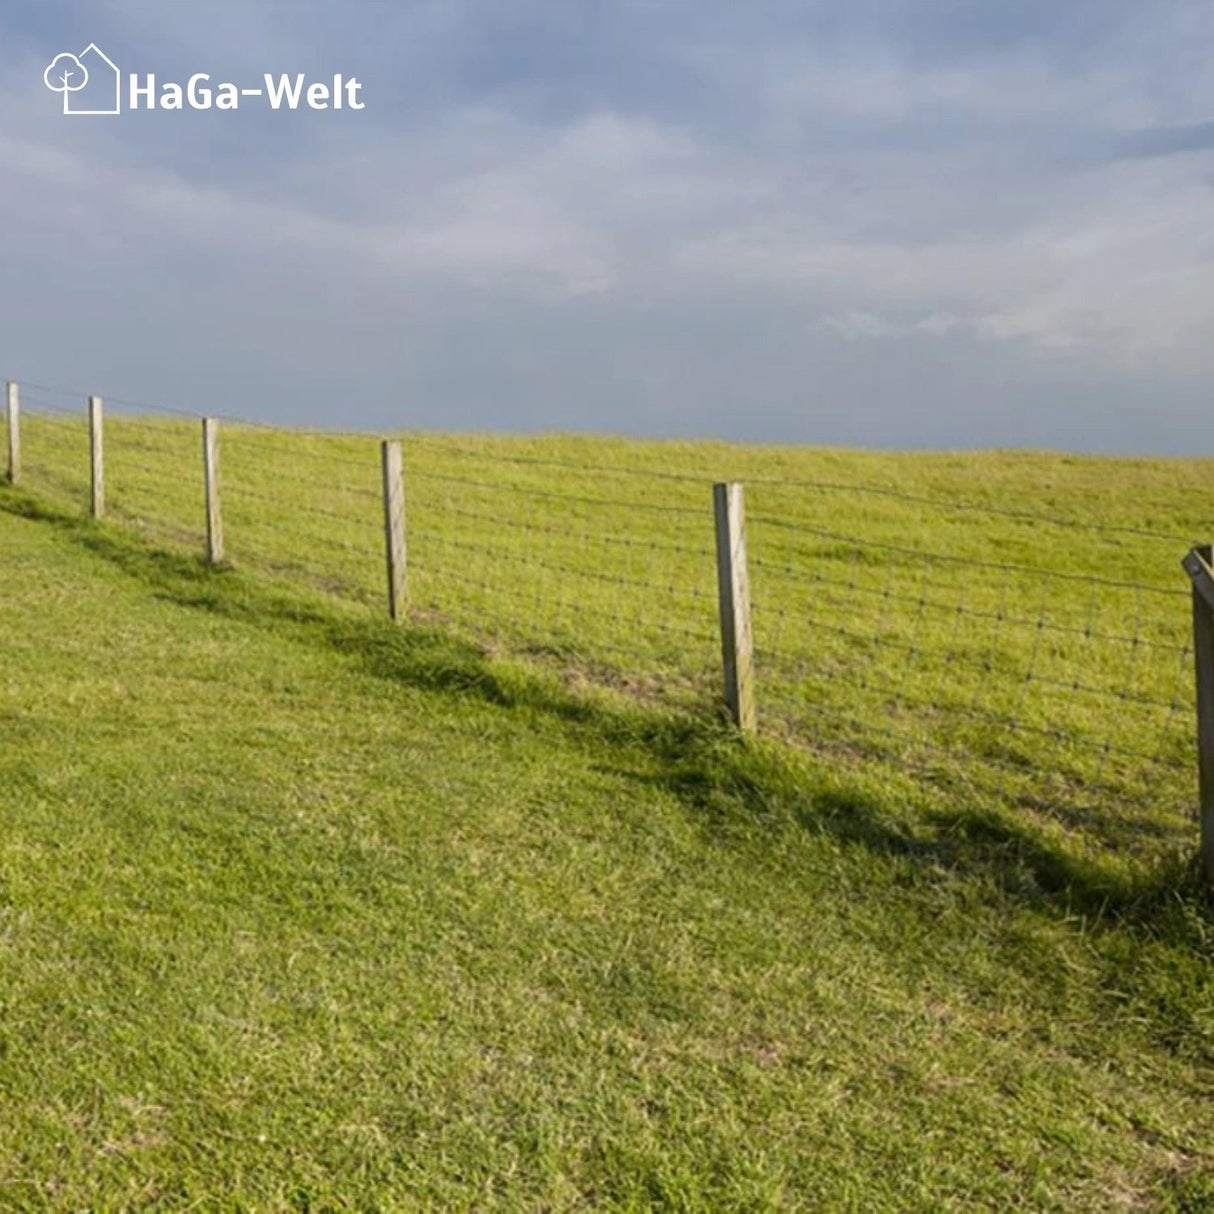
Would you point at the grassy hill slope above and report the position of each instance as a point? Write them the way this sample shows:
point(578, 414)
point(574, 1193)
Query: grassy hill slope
point(1003, 629)
point(299, 910)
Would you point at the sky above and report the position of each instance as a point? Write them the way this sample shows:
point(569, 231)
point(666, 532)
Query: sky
point(880, 223)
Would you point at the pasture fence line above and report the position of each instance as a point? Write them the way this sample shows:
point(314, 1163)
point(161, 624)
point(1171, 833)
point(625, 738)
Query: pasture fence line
point(1007, 654)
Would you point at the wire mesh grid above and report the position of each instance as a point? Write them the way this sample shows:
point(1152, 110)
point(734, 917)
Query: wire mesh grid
point(54, 446)
point(1059, 681)
point(611, 577)
point(305, 508)
point(1004, 653)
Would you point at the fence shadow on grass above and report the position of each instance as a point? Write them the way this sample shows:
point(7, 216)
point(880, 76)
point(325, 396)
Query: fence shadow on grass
point(725, 782)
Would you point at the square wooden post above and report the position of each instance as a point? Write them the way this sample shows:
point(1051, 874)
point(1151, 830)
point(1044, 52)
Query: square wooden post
point(210, 472)
point(14, 434)
point(394, 529)
point(97, 456)
point(733, 591)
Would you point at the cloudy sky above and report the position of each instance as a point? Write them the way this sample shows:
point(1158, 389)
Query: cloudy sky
point(881, 222)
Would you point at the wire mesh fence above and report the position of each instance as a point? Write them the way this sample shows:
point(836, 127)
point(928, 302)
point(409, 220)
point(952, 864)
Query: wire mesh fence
point(1017, 655)
point(602, 572)
point(54, 445)
point(1062, 690)
point(304, 508)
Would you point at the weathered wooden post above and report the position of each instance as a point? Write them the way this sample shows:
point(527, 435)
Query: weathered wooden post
point(210, 471)
point(97, 456)
point(733, 591)
point(1198, 566)
point(14, 434)
point(394, 529)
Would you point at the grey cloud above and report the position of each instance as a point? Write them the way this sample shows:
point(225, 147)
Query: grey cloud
point(900, 223)
point(1166, 141)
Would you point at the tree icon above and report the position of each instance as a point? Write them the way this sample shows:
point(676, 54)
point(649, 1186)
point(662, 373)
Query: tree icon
point(66, 74)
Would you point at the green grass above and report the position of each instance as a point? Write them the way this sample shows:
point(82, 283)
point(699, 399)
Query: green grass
point(302, 910)
point(1011, 629)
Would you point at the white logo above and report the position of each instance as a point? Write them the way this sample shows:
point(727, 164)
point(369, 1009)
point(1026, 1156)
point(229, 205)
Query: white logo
point(90, 82)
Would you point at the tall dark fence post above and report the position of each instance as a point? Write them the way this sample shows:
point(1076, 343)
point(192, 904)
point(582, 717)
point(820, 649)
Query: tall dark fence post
point(1198, 566)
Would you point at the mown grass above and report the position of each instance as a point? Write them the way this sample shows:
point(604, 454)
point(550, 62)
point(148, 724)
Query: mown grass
point(1009, 628)
point(299, 910)
point(302, 910)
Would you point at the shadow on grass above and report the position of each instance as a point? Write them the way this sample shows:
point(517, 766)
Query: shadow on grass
point(729, 784)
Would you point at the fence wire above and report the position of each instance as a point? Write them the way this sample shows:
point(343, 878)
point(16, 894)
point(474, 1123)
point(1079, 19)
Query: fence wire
point(1063, 686)
point(1014, 655)
point(618, 581)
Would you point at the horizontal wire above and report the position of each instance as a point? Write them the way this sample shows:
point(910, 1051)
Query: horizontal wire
point(57, 474)
point(292, 478)
point(151, 474)
point(445, 510)
point(108, 402)
point(945, 558)
point(1065, 737)
point(859, 488)
point(117, 490)
point(193, 414)
point(687, 595)
point(282, 525)
point(1026, 516)
point(571, 465)
point(31, 411)
point(954, 657)
point(228, 441)
point(245, 549)
point(522, 596)
point(817, 578)
point(529, 597)
point(242, 531)
point(987, 717)
point(288, 508)
point(228, 474)
point(23, 384)
point(330, 581)
point(865, 731)
point(124, 493)
point(124, 511)
point(134, 463)
point(122, 455)
point(561, 497)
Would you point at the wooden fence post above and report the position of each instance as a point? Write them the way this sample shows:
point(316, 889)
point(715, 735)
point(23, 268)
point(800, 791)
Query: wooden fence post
point(97, 456)
point(14, 434)
point(1198, 566)
point(394, 529)
point(733, 590)
point(210, 471)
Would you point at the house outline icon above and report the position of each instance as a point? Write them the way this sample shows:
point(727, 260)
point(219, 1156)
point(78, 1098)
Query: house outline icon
point(94, 50)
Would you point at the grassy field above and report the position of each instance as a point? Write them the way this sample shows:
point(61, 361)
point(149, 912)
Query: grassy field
point(1005, 629)
point(302, 910)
